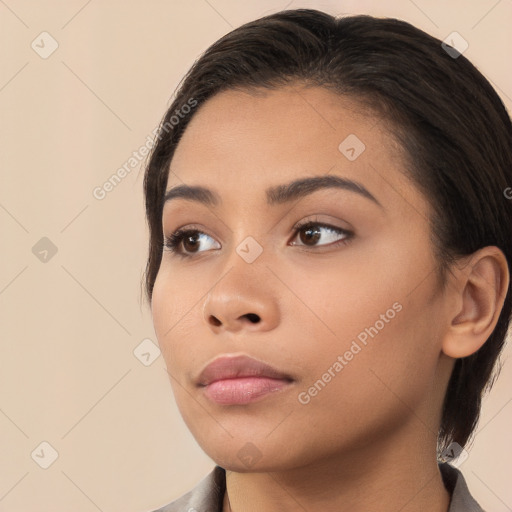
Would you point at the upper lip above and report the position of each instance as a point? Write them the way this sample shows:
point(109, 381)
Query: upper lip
point(230, 367)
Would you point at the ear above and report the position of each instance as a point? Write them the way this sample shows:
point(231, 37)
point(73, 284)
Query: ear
point(480, 289)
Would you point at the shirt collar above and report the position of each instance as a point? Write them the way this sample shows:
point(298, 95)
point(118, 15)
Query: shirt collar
point(454, 481)
point(208, 495)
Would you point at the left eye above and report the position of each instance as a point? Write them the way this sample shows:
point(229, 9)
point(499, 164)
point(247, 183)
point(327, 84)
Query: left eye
point(311, 232)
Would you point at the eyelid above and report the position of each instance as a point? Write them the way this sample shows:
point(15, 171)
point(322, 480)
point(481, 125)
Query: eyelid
point(315, 221)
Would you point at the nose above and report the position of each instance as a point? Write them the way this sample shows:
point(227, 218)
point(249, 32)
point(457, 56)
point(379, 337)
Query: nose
point(242, 299)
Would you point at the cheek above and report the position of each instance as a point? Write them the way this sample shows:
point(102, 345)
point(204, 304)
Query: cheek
point(356, 390)
point(380, 323)
point(162, 308)
point(174, 314)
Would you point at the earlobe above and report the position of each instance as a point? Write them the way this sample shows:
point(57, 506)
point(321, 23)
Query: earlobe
point(482, 287)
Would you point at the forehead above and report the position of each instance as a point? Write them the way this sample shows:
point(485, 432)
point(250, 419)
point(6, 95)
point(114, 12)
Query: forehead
point(255, 139)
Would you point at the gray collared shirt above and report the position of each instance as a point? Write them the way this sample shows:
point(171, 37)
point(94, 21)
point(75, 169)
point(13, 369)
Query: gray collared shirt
point(208, 494)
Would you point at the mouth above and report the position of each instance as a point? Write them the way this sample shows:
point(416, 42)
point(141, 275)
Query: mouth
point(238, 380)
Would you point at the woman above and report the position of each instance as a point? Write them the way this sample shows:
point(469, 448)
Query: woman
point(329, 263)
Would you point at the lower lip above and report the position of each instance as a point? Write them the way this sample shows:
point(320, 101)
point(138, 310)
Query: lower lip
point(243, 390)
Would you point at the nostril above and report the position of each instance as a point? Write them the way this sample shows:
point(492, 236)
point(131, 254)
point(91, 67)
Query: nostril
point(215, 321)
point(253, 317)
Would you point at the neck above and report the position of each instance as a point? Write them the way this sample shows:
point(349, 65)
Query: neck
point(389, 478)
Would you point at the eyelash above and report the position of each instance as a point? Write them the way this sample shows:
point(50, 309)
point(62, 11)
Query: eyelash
point(172, 241)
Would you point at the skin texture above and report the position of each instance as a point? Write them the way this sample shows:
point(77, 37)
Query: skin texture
point(367, 440)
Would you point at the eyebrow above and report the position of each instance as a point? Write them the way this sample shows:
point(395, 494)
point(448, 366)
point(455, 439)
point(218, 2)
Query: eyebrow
point(276, 195)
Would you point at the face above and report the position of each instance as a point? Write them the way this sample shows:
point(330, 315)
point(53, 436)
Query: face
point(331, 281)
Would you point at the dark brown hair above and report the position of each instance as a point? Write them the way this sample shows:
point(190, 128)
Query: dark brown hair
point(453, 127)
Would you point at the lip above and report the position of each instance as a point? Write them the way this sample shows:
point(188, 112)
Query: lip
point(232, 380)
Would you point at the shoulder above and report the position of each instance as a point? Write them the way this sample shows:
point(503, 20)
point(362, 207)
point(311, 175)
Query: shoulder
point(206, 496)
point(454, 481)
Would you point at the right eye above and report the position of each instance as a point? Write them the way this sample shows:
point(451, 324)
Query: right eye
point(185, 242)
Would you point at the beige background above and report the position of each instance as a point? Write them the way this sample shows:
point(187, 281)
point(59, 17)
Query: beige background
point(70, 324)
